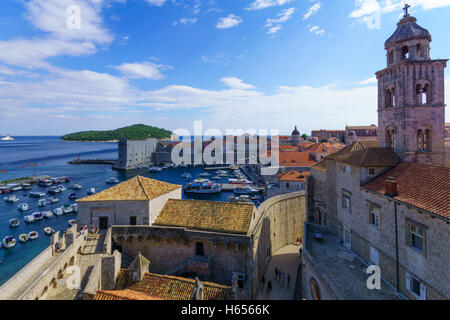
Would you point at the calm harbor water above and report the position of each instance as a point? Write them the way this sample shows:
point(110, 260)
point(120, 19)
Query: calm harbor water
point(30, 156)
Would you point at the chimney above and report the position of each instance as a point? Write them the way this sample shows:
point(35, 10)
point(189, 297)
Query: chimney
point(391, 187)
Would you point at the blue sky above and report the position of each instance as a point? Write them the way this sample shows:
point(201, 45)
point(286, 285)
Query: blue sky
point(261, 64)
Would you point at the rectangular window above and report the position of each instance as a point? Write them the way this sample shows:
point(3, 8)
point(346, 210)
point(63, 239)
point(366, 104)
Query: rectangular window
point(416, 287)
point(374, 256)
point(416, 234)
point(371, 171)
point(133, 221)
point(374, 215)
point(346, 200)
point(347, 238)
point(346, 169)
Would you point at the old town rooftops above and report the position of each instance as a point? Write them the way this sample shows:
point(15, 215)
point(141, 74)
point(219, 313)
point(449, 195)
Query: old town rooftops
point(293, 176)
point(370, 157)
point(420, 185)
point(164, 287)
point(138, 188)
point(216, 216)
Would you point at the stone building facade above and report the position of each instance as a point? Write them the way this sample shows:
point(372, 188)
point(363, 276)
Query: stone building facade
point(385, 206)
point(135, 153)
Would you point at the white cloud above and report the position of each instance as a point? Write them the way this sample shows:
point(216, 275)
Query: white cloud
point(156, 3)
point(185, 21)
point(368, 81)
point(145, 70)
point(312, 11)
point(236, 83)
point(262, 4)
point(365, 8)
point(228, 22)
point(274, 25)
point(316, 30)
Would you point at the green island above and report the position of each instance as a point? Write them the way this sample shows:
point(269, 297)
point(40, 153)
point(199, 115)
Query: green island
point(133, 132)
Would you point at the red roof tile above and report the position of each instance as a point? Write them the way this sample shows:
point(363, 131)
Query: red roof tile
point(421, 185)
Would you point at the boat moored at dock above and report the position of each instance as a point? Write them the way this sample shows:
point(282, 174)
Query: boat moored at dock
point(12, 198)
point(47, 214)
point(38, 216)
point(203, 186)
point(14, 223)
point(23, 207)
point(23, 238)
point(33, 235)
point(49, 231)
point(9, 242)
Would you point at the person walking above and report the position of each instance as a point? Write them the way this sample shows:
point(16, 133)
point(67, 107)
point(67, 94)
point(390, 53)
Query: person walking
point(289, 280)
point(276, 272)
point(269, 286)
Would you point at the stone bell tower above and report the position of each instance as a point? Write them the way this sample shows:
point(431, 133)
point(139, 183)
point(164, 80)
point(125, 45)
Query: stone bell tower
point(411, 106)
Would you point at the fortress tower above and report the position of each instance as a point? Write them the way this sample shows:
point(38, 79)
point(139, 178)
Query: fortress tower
point(411, 106)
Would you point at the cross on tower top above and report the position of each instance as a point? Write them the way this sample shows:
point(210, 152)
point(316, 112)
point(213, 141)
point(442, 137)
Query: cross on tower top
point(407, 6)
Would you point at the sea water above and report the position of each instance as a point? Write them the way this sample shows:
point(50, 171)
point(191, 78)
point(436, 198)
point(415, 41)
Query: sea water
point(33, 156)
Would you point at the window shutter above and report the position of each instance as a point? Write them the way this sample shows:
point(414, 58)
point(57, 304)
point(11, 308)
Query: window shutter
point(423, 292)
point(408, 282)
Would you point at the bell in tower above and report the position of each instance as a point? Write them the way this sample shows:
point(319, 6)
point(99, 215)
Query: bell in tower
point(411, 106)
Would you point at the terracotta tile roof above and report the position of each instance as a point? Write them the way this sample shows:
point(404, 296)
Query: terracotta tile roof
point(325, 147)
point(421, 185)
point(321, 165)
point(370, 157)
point(126, 294)
point(178, 288)
point(293, 176)
point(206, 215)
point(138, 188)
point(288, 147)
point(295, 159)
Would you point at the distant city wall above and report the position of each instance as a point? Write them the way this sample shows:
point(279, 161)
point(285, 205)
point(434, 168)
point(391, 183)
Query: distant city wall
point(135, 153)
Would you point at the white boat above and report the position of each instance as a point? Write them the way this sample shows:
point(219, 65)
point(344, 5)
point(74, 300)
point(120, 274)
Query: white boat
point(14, 223)
point(244, 190)
point(61, 188)
point(9, 242)
point(205, 174)
point(26, 186)
point(67, 209)
point(75, 207)
point(29, 219)
point(58, 211)
point(33, 235)
point(90, 191)
point(186, 175)
point(53, 200)
point(54, 190)
point(37, 194)
point(23, 207)
point(12, 198)
point(23, 237)
point(16, 188)
point(76, 187)
point(47, 214)
point(72, 222)
point(217, 178)
point(49, 231)
point(38, 216)
point(203, 186)
point(42, 202)
point(7, 138)
point(154, 169)
point(112, 180)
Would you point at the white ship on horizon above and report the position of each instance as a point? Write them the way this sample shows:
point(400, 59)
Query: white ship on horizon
point(7, 138)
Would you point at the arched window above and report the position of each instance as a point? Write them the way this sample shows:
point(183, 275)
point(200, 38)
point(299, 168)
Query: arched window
point(424, 140)
point(405, 53)
point(390, 97)
point(390, 138)
point(423, 92)
point(391, 57)
point(427, 141)
point(419, 50)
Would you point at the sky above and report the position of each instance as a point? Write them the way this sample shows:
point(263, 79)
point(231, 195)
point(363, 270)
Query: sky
point(74, 65)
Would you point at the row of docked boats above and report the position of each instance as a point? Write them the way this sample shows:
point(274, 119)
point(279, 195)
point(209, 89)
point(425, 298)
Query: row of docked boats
point(37, 216)
point(202, 186)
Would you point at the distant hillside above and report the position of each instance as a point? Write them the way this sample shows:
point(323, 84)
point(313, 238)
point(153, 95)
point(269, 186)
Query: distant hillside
point(134, 132)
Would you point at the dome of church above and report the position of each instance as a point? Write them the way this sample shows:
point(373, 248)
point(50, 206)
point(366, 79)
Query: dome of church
point(295, 132)
point(352, 133)
point(407, 29)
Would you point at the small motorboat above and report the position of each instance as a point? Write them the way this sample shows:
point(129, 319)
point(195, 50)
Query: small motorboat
point(49, 231)
point(67, 209)
point(37, 194)
point(217, 178)
point(76, 186)
point(54, 190)
point(186, 175)
point(26, 186)
point(61, 188)
point(16, 188)
point(42, 202)
point(9, 242)
point(75, 207)
point(47, 214)
point(29, 219)
point(38, 216)
point(154, 169)
point(23, 237)
point(33, 235)
point(14, 223)
point(72, 222)
point(112, 181)
point(205, 174)
point(244, 190)
point(23, 207)
point(12, 198)
point(53, 200)
point(91, 191)
point(58, 211)
point(72, 196)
